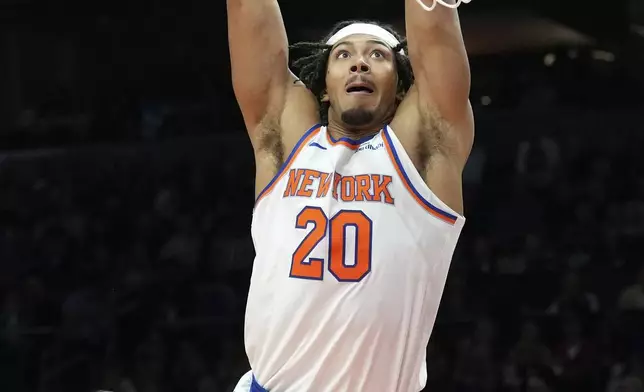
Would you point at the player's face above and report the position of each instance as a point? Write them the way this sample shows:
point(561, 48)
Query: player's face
point(361, 81)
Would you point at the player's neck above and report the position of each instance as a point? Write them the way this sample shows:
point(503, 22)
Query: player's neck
point(338, 130)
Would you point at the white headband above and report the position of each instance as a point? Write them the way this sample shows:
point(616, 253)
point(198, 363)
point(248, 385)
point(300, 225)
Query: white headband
point(367, 29)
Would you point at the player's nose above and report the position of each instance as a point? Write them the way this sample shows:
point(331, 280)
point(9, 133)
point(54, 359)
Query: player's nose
point(360, 66)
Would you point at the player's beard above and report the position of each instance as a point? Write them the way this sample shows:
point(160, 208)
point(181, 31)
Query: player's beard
point(357, 117)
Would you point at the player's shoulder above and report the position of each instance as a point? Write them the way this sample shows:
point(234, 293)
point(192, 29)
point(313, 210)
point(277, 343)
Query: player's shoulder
point(424, 130)
point(282, 127)
point(282, 134)
point(435, 149)
point(301, 112)
point(287, 114)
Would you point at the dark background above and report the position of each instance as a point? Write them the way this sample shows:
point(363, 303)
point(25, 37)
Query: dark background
point(126, 191)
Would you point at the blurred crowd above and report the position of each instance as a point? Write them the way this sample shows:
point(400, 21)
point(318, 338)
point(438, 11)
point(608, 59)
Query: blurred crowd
point(126, 268)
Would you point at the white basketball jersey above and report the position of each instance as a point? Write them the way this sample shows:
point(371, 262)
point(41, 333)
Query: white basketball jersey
point(353, 251)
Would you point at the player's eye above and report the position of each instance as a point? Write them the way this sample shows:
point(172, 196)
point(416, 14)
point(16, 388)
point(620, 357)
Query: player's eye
point(343, 54)
point(377, 54)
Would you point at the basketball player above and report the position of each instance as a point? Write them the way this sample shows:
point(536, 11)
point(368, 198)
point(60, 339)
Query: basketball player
point(359, 203)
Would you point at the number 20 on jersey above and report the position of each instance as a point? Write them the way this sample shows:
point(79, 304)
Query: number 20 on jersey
point(334, 231)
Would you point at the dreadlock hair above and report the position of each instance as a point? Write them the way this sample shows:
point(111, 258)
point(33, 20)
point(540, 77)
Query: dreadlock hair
point(314, 58)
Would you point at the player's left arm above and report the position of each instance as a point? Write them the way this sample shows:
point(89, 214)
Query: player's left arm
point(442, 75)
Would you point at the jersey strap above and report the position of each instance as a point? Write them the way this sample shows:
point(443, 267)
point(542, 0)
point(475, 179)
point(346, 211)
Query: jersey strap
point(308, 135)
point(435, 211)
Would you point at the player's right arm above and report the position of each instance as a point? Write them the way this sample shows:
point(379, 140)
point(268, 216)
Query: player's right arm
point(259, 63)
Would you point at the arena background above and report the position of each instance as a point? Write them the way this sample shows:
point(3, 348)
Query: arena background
point(126, 191)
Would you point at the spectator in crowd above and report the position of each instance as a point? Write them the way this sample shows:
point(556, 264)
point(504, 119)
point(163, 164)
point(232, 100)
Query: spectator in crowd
point(632, 297)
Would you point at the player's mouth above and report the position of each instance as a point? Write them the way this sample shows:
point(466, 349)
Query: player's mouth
point(359, 88)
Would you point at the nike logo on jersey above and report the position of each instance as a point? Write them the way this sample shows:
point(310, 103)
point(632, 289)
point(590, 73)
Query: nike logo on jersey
point(314, 144)
point(362, 187)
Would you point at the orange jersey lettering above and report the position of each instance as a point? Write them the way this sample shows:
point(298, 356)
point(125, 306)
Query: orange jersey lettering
point(316, 184)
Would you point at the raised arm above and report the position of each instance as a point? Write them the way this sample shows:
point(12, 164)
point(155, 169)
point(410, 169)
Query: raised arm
point(259, 59)
point(441, 69)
